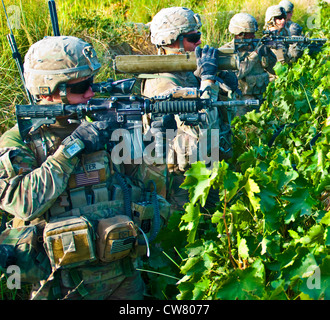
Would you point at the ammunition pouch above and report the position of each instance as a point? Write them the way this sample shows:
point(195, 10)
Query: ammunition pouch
point(69, 242)
point(116, 237)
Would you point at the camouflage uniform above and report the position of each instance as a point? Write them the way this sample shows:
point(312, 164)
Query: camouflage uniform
point(166, 27)
point(38, 182)
point(252, 75)
point(284, 53)
point(294, 28)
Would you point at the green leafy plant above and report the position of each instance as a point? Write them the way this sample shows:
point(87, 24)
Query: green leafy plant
point(267, 237)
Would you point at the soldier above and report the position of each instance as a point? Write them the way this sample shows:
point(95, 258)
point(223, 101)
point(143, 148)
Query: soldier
point(175, 30)
point(255, 60)
point(63, 175)
point(294, 28)
point(275, 21)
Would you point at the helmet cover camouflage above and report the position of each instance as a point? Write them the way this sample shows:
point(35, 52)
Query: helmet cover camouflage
point(242, 22)
point(55, 60)
point(272, 12)
point(169, 23)
point(287, 5)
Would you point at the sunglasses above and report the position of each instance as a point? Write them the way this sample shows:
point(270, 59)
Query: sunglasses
point(192, 37)
point(80, 87)
point(283, 16)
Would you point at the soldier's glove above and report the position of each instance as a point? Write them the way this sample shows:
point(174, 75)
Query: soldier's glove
point(94, 136)
point(167, 122)
point(228, 80)
point(207, 63)
point(263, 51)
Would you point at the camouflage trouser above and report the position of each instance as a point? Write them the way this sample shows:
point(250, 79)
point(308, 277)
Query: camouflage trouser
point(99, 282)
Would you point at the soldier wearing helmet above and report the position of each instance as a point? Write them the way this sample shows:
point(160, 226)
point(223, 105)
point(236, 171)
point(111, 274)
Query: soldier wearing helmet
point(175, 30)
point(275, 21)
point(62, 176)
point(255, 60)
point(294, 28)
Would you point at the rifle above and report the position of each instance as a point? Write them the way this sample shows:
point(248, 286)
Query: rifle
point(16, 55)
point(53, 17)
point(271, 37)
point(121, 110)
point(227, 60)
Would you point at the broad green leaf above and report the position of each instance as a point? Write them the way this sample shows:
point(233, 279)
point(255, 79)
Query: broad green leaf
point(243, 250)
point(197, 182)
point(300, 201)
point(267, 198)
point(252, 188)
point(316, 284)
point(244, 284)
point(192, 217)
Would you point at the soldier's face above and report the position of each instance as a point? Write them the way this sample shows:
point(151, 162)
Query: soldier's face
point(73, 98)
point(280, 22)
point(83, 97)
point(249, 35)
point(190, 44)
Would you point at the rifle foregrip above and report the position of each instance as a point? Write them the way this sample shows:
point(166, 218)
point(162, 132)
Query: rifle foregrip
point(177, 106)
point(40, 111)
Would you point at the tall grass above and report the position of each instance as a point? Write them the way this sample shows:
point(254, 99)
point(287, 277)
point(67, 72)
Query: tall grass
point(107, 24)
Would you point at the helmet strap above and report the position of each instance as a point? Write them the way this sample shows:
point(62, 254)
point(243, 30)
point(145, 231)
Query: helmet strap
point(181, 44)
point(175, 50)
point(62, 91)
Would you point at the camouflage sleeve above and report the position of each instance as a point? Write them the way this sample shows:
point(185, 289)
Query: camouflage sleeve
point(247, 64)
point(26, 190)
point(162, 85)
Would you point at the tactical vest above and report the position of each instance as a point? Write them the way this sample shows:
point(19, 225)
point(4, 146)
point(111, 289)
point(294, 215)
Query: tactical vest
point(102, 215)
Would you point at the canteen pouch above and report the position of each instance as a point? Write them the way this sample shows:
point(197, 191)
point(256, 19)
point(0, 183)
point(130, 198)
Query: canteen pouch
point(69, 242)
point(116, 237)
point(23, 247)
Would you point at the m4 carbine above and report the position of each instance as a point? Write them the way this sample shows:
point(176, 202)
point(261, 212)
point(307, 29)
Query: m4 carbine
point(120, 110)
point(271, 37)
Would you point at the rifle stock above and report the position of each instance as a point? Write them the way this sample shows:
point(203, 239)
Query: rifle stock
point(227, 60)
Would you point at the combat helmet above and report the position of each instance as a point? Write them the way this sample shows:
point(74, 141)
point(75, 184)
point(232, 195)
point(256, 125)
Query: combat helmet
point(272, 12)
point(242, 22)
point(169, 23)
point(287, 5)
point(51, 62)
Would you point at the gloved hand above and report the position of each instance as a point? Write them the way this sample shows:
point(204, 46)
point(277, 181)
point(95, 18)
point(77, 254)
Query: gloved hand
point(263, 51)
point(207, 63)
point(229, 79)
point(167, 122)
point(94, 135)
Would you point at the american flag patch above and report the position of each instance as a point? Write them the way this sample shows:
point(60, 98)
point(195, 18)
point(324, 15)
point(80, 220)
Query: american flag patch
point(83, 179)
point(122, 245)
